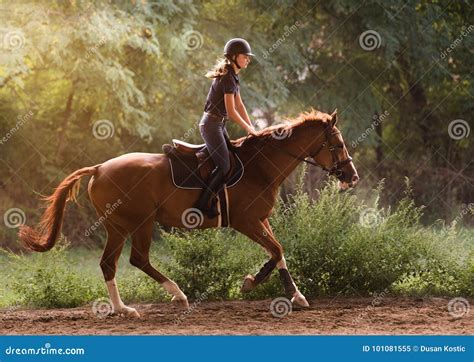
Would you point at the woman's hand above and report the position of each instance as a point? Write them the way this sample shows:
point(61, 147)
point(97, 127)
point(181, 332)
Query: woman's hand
point(251, 130)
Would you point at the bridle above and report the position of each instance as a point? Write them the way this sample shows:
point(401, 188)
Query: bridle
point(337, 165)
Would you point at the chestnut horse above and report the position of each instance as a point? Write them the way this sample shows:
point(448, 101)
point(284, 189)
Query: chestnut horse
point(140, 186)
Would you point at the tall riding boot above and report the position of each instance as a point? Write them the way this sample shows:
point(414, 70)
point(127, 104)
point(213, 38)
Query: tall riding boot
point(215, 182)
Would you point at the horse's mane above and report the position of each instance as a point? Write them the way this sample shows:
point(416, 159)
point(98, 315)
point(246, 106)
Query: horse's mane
point(289, 124)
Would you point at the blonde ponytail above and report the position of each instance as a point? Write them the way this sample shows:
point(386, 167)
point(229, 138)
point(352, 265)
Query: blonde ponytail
point(219, 69)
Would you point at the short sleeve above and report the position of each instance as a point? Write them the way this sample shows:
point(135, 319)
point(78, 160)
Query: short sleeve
point(229, 84)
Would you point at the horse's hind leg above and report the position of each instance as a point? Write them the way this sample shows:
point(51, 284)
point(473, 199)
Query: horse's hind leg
point(140, 258)
point(115, 239)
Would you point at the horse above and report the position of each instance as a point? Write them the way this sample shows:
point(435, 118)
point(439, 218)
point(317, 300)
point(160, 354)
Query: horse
point(140, 186)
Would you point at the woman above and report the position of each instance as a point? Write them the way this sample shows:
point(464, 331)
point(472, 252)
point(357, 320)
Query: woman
point(223, 101)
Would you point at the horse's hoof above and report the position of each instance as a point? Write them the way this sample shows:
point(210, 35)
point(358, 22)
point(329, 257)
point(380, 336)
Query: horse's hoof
point(127, 312)
point(248, 284)
point(299, 300)
point(180, 302)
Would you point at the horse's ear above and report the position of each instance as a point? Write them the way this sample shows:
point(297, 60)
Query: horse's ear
point(333, 118)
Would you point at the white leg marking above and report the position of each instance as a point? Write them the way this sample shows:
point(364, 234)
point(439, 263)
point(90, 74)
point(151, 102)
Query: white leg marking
point(173, 289)
point(178, 296)
point(117, 305)
point(114, 295)
point(299, 299)
point(282, 263)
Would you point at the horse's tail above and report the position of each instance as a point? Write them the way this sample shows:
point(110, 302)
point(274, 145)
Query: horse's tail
point(44, 236)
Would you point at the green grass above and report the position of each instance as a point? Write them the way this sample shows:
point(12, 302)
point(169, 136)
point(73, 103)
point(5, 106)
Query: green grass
point(7, 296)
point(337, 245)
point(68, 277)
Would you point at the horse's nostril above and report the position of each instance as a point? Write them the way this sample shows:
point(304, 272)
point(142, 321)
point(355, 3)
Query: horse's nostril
point(355, 178)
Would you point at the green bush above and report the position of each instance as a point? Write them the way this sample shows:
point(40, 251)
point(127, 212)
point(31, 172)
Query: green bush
point(339, 245)
point(211, 261)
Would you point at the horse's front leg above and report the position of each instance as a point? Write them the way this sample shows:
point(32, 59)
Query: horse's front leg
point(291, 289)
point(262, 233)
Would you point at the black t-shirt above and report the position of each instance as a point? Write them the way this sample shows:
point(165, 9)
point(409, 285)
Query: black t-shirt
point(228, 83)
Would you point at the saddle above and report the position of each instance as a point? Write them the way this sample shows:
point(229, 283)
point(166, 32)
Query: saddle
point(191, 164)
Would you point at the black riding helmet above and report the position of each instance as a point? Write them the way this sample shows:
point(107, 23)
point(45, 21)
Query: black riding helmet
point(235, 47)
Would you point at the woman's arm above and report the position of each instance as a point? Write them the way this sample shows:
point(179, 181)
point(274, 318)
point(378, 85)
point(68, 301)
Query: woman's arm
point(240, 107)
point(234, 115)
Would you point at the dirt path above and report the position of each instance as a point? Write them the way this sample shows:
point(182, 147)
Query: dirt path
point(325, 316)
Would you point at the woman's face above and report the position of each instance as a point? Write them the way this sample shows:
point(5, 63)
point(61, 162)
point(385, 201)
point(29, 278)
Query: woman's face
point(243, 60)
